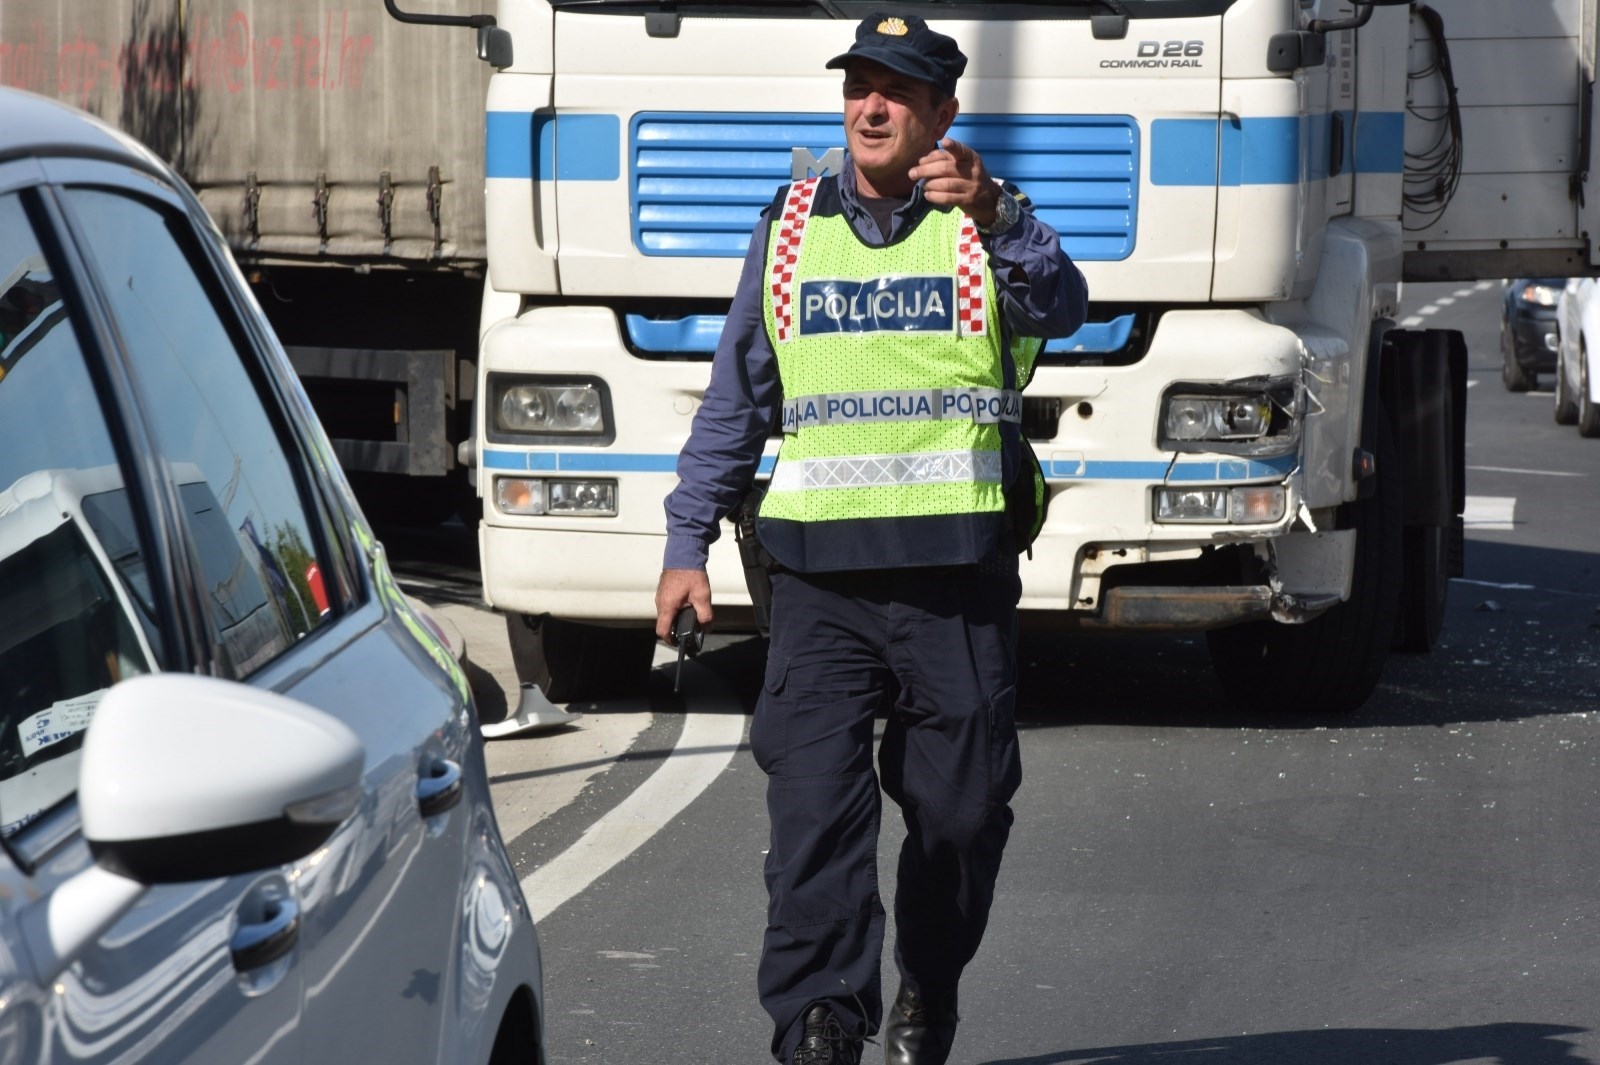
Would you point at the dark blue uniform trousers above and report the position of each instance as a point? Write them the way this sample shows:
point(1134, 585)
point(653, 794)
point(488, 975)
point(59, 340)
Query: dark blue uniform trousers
point(936, 649)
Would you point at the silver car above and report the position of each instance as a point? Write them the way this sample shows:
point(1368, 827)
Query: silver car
point(1577, 388)
point(244, 815)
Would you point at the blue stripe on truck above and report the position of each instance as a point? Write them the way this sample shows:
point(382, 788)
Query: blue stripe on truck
point(1159, 471)
point(1267, 151)
point(1381, 142)
point(698, 334)
point(544, 145)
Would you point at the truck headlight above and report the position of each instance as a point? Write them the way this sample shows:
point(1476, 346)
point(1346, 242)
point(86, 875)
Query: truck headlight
point(541, 407)
point(533, 496)
point(1246, 505)
point(1219, 417)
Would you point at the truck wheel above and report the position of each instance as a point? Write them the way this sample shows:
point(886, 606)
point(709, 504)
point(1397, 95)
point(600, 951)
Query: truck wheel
point(569, 661)
point(1511, 372)
point(1423, 593)
point(1566, 406)
point(1588, 412)
point(1330, 664)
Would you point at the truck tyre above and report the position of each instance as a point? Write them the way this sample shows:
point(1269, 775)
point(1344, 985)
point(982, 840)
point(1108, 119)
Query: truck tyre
point(1588, 411)
point(1511, 372)
point(1566, 411)
point(1330, 664)
point(1426, 586)
point(572, 662)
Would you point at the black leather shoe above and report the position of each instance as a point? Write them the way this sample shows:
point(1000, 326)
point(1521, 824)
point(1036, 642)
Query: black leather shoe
point(919, 1031)
point(825, 1041)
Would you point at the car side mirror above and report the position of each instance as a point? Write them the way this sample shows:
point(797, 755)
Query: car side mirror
point(192, 778)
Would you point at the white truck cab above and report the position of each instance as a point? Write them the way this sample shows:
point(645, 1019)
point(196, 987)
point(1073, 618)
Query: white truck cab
point(1239, 441)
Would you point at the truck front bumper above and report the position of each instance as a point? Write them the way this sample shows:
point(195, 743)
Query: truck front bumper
point(1103, 466)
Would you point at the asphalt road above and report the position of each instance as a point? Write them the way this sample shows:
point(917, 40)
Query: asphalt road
point(1195, 875)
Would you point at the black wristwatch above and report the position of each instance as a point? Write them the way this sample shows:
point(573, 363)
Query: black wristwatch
point(1006, 213)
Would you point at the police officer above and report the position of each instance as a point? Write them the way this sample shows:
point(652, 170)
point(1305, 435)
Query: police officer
point(888, 317)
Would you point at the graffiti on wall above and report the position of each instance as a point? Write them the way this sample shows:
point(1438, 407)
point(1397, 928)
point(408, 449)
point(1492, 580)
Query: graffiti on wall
point(218, 55)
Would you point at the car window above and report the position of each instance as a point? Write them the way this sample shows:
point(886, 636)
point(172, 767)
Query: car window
point(75, 613)
point(239, 496)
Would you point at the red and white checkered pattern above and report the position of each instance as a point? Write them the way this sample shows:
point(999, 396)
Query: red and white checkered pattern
point(786, 252)
point(971, 314)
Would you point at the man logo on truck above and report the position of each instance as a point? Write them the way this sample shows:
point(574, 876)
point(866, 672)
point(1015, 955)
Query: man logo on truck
point(803, 164)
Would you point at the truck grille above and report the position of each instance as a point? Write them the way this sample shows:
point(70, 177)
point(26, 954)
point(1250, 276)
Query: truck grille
point(699, 180)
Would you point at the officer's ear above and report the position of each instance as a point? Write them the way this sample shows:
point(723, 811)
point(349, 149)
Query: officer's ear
point(945, 115)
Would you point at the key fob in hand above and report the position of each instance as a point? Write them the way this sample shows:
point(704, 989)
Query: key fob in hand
point(686, 634)
point(688, 637)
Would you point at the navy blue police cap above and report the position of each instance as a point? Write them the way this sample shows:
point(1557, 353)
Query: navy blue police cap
point(906, 45)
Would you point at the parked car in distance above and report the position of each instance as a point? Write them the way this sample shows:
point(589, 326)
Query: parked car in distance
point(244, 812)
point(1528, 330)
point(1578, 360)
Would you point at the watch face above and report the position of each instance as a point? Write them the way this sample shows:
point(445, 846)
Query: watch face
point(1005, 213)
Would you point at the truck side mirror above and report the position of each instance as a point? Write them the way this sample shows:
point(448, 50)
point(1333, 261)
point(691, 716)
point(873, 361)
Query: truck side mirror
point(1362, 16)
point(494, 46)
point(1299, 49)
point(1296, 50)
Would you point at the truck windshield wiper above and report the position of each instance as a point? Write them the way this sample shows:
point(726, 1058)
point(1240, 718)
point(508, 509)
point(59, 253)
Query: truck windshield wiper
point(1108, 27)
point(1113, 6)
point(1112, 27)
point(833, 9)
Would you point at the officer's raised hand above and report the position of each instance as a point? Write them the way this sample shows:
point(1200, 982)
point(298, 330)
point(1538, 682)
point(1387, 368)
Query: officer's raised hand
point(953, 175)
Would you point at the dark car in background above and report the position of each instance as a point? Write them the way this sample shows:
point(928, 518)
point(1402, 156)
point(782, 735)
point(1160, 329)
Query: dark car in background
point(1528, 342)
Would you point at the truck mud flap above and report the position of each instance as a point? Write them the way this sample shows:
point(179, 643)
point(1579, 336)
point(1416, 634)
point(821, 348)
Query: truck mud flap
point(1425, 391)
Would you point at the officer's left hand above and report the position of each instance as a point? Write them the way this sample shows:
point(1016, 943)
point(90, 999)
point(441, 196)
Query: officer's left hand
point(954, 176)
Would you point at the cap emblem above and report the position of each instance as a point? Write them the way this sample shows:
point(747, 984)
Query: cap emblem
point(894, 27)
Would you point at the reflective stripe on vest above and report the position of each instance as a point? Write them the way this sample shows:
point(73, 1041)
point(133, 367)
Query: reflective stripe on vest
point(864, 471)
point(982, 406)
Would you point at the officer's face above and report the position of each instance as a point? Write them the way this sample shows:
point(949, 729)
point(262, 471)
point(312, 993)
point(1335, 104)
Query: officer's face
point(891, 121)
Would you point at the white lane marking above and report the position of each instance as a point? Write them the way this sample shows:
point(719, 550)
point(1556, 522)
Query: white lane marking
point(1428, 310)
point(1522, 588)
point(1490, 512)
point(1472, 384)
point(703, 751)
point(1535, 473)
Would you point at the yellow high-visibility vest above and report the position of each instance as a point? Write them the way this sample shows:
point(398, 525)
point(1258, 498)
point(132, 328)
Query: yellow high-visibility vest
point(898, 387)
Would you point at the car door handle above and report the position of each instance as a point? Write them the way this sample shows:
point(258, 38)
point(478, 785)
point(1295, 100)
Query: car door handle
point(440, 787)
point(256, 944)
